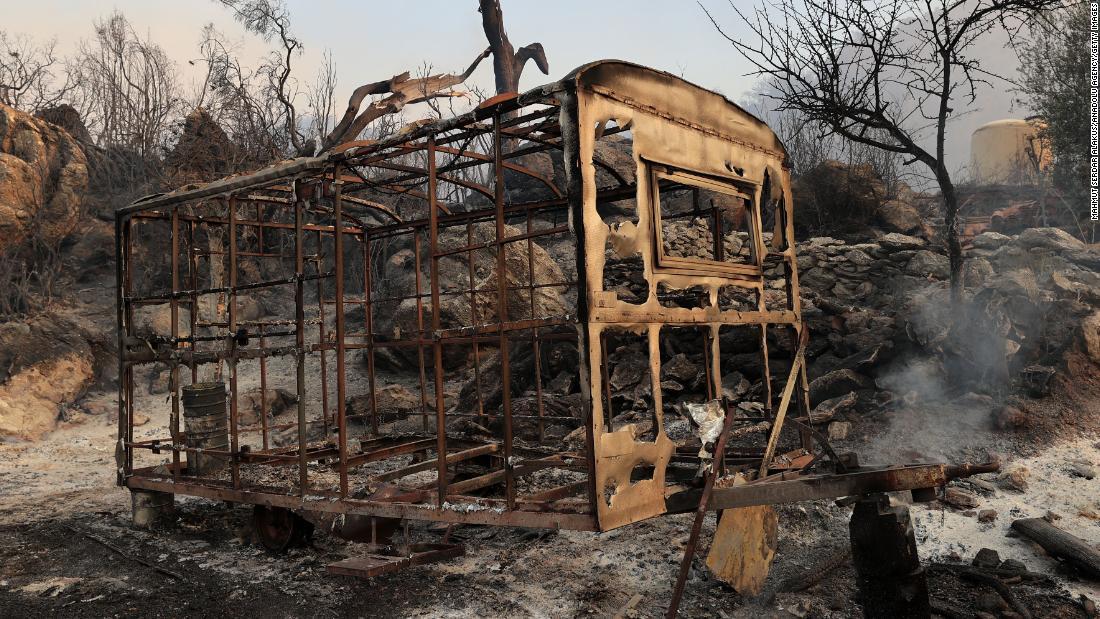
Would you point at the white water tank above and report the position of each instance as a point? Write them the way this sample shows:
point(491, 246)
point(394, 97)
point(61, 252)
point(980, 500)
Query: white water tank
point(1008, 152)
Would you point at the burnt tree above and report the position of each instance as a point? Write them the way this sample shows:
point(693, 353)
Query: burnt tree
point(882, 73)
point(507, 62)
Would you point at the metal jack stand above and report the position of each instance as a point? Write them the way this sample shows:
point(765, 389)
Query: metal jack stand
point(891, 580)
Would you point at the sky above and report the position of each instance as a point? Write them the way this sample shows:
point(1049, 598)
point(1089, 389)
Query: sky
point(374, 39)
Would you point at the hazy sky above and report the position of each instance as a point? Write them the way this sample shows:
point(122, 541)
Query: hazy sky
point(374, 39)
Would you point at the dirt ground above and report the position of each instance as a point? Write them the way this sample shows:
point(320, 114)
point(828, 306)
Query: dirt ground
point(67, 548)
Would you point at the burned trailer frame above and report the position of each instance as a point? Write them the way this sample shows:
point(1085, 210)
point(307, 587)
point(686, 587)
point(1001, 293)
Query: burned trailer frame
point(426, 250)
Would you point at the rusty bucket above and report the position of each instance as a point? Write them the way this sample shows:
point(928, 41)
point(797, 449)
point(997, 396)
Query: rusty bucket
point(206, 425)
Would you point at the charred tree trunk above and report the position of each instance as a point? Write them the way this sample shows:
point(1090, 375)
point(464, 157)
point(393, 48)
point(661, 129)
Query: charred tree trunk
point(507, 62)
point(1057, 542)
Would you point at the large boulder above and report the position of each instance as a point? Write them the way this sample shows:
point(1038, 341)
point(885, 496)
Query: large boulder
point(43, 176)
point(45, 365)
point(900, 216)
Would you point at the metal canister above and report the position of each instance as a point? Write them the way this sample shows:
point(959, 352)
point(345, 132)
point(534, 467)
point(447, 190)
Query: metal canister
point(206, 425)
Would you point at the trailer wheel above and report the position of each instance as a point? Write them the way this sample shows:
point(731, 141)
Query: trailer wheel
point(278, 528)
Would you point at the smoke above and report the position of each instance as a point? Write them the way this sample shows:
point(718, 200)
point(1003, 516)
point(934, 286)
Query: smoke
point(947, 385)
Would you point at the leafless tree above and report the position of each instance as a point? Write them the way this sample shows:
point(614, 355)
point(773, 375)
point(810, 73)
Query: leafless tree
point(271, 20)
point(322, 99)
point(508, 63)
point(28, 74)
point(129, 89)
point(881, 73)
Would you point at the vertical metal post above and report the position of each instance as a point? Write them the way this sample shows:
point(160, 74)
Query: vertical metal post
point(300, 335)
point(502, 312)
point(368, 319)
point(121, 268)
point(535, 332)
point(318, 261)
point(341, 417)
point(263, 386)
point(193, 282)
point(174, 380)
point(473, 318)
point(421, 364)
point(437, 343)
point(232, 342)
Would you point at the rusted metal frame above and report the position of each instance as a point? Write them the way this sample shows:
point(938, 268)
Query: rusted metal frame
point(558, 493)
point(793, 487)
point(156, 299)
point(481, 157)
point(684, 317)
point(193, 283)
point(474, 318)
point(174, 378)
point(300, 333)
point(784, 402)
point(537, 349)
point(263, 389)
point(412, 343)
point(568, 120)
point(203, 357)
point(231, 342)
point(483, 190)
point(368, 324)
point(123, 454)
point(502, 312)
point(384, 453)
point(700, 514)
point(341, 378)
point(437, 344)
point(517, 325)
point(274, 225)
point(493, 478)
point(526, 236)
point(427, 465)
point(459, 292)
point(606, 195)
point(318, 262)
point(421, 363)
point(431, 513)
point(392, 181)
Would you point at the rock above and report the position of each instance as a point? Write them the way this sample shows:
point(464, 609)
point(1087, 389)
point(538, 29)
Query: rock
point(828, 409)
point(895, 241)
point(838, 430)
point(681, 369)
point(1010, 418)
point(1082, 468)
point(1016, 478)
point(45, 365)
point(1049, 238)
point(928, 264)
point(991, 602)
point(735, 385)
point(392, 398)
point(976, 272)
point(837, 383)
point(1090, 331)
point(989, 240)
point(1013, 565)
point(277, 402)
point(43, 179)
point(900, 216)
point(820, 279)
point(987, 515)
point(986, 557)
point(957, 497)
